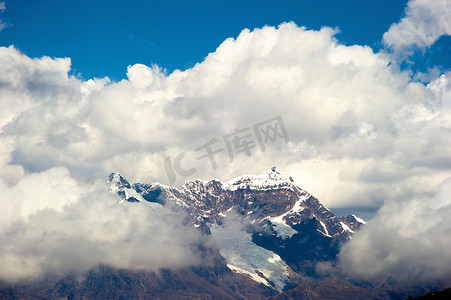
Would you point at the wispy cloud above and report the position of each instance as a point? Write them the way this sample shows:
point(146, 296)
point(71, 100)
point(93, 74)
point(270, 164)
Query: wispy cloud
point(2, 9)
point(424, 23)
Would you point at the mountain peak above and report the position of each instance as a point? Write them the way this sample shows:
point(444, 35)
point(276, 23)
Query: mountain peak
point(119, 180)
point(122, 187)
point(275, 174)
point(274, 169)
point(269, 179)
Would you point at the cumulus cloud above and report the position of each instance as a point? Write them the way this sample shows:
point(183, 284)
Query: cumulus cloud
point(51, 224)
point(360, 130)
point(407, 240)
point(424, 23)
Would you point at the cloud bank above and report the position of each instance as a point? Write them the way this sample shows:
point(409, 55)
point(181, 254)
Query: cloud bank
point(360, 132)
point(407, 240)
point(424, 23)
point(359, 129)
point(51, 224)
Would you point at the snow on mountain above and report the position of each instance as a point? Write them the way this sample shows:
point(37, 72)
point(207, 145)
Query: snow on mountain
point(280, 225)
point(269, 179)
point(346, 227)
point(360, 220)
point(122, 187)
point(244, 256)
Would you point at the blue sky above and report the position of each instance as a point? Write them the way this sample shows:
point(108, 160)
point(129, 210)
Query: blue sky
point(103, 37)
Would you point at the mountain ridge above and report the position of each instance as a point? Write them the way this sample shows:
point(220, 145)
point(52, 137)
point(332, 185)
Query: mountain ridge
point(279, 218)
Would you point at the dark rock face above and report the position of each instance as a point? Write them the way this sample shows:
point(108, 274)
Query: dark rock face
point(303, 249)
point(149, 193)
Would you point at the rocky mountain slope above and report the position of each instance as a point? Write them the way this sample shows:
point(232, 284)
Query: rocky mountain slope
point(284, 232)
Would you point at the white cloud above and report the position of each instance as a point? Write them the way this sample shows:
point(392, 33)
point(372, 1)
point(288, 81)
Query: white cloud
point(442, 88)
point(407, 240)
point(360, 130)
point(346, 111)
point(424, 22)
point(53, 224)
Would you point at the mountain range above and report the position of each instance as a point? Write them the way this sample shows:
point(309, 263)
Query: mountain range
point(266, 235)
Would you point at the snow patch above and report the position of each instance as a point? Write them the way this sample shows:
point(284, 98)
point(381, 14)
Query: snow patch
point(359, 219)
point(118, 180)
point(325, 230)
point(281, 227)
point(267, 180)
point(243, 256)
point(297, 206)
point(346, 227)
point(253, 275)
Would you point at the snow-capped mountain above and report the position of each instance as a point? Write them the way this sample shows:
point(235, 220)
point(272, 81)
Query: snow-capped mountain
point(261, 236)
point(271, 229)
